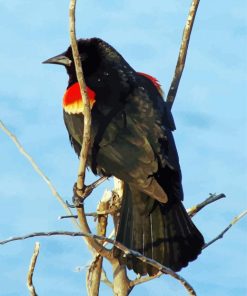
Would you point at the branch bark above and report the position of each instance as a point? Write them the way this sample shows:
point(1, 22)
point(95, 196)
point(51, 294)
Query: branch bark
point(212, 198)
point(141, 280)
point(120, 271)
point(95, 269)
point(120, 275)
point(107, 239)
point(92, 244)
point(87, 111)
point(182, 53)
point(105, 279)
point(32, 265)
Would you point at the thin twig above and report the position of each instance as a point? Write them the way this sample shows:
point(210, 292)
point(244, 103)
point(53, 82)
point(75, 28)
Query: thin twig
point(35, 255)
point(111, 210)
point(87, 112)
point(105, 279)
point(37, 169)
point(107, 239)
point(141, 280)
point(89, 189)
point(234, 221)
point(182, 53)
point(212, 198)
point(97, 183)
point(120, 246)
point(127, 251)
point(111, 235)
point(69, 216)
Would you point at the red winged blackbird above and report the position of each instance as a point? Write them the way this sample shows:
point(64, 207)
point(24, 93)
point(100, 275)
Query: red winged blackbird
point(131, 139)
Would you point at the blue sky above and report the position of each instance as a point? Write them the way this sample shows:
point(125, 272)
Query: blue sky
point(210, 114)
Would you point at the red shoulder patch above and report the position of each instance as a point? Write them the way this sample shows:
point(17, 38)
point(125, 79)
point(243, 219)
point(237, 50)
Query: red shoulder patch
point(153, 80)
point(73, 95)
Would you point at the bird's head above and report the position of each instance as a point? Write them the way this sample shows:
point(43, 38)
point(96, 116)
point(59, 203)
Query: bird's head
point(104, 71)
point(90, 56)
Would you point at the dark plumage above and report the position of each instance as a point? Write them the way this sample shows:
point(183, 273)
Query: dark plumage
point(132, 140)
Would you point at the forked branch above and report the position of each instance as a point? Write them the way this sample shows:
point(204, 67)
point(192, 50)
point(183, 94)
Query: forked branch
point(212, 198)
point(161, 268)
point(125, 250)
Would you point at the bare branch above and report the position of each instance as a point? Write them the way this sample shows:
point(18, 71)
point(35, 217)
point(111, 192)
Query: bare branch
point(72, 216)
point(212, 198)
point(31, 270)
point(182, 53)
point(141, 280)
point(96, 183)
point(37, 169)
point(42, 233)
point(121, 282)
point(161, 268)
point(120, 246)
point(95, 269)
point(234, 221)
point(91, 214)
point(109, 240)
point(111, 235)
point(90, 241)
point(105, 279)
point(86, 105)
point(92, 244)
point(93, 277)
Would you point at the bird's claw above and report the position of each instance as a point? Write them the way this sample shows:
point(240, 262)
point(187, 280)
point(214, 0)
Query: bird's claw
point(70, 205)
point(79, 196)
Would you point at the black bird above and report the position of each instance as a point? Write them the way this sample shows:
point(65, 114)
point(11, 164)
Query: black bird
point(131, 139)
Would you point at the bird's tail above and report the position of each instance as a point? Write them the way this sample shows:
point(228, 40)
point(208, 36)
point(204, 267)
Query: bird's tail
point(163, 232)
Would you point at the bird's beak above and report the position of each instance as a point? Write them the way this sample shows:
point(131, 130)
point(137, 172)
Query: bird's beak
point(60, 59)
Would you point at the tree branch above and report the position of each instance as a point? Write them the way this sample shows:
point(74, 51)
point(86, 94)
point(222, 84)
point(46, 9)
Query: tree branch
point(46, 179)
point(80, 187)
point(95, 269)
point(87, 111)
point(161, 268)
point(120, 246)
point(38, 170)
point(144, 279)
point(182, 53)
point(105, 279)
point(212, 198)
point(234, 221)
point(31, 270)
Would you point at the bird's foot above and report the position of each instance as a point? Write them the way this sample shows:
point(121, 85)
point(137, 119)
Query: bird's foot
point(79, 196)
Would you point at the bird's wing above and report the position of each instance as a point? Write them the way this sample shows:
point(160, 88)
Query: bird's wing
point(74, 124)
point(157, 123)
point(126, 153)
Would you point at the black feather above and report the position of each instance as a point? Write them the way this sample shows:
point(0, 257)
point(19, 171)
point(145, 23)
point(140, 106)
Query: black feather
point(131, 138)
